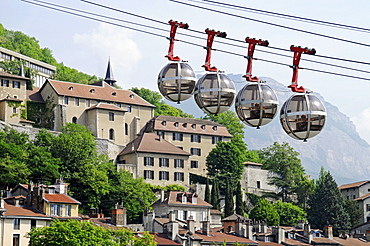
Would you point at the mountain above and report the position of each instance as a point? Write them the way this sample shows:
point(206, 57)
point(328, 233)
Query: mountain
point(338, 148)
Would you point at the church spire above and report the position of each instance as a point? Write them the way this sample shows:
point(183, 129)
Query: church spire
point(109, 75)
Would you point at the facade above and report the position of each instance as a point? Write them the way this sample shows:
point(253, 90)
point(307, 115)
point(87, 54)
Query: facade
point(44, 70)
point(360, 192)
point(17, 219)
point(197, 137)
point(156, 160)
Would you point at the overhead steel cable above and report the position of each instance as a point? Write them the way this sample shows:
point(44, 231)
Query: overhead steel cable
point(292, 17)
point(34, 2)
point(273, 24)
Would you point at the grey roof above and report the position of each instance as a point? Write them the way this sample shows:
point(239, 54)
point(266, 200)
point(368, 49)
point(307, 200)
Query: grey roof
point(109, 75)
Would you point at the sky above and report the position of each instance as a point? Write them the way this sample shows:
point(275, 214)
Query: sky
point(137, 58)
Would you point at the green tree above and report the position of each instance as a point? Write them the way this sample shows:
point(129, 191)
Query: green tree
point(354, 212)
point(239, 206)
point(229, 200)
point(327, 205)
point(207, 195)
point(265, 211)
point(283, 162)
point(215, 195)
point(289, 213)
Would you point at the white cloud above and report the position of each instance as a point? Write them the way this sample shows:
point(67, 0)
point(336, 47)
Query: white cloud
point(362, 124)
point(108, 40)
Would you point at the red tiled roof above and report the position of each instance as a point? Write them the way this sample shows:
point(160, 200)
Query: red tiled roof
point(162, 220)
point(8, 98)
point(215, 211)
point(60, 198)
point(163, 240)
point(150, 143)
point(12, 210)
point(103, 93)
point(106, 106)
point(185, 126)
point(351, 241)
point(293, 242)
point(172, 199)
point(8, 75)
point(322, 240)
point(234, 217)
point(362, 197)
point(34, 95)
point(353, 185)
point(252, 163)
point(219, 237)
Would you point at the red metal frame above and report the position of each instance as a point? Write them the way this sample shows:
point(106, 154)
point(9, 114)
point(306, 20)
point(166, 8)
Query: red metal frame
point(174, 25)
point(298, 50)
point(211, 36)
point(252, 45)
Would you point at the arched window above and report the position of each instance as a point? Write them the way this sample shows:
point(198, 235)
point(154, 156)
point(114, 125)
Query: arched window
point(126, 129)
point(74, 120)
point(111, 134)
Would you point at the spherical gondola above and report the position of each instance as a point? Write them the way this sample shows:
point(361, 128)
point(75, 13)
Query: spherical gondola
point(214, 93)
point(303, 116)
point(256, 104)
point(176, 81)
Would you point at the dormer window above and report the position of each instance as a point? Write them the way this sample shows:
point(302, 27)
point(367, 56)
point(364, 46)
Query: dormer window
point(176, 124)
point(114, 93)
point(70, 88)
point(194, 200)
point(164, 123)
point(185, 125)
point(194, 126)
point(214, 128)
point(184, 199)
point(203, 127)
point(92, 91)
point(132, 95)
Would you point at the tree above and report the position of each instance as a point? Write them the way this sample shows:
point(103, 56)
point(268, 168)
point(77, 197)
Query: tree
point(354, 212)
point(229, 200)
point(289, 213)
point(225, 161)
point(265, 211)
point(327, 205)
point(239, 206)
point(207, 195)
point(74, 233)
point(283, 161)
point(215, 195)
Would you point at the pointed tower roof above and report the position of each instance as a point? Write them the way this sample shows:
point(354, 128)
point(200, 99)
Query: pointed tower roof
point(109, 75)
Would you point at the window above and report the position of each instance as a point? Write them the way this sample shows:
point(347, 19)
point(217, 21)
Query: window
point(111, 134)
point(129, 109)
point(216, 139)
point(14, 110)
point(195, 138)
point(258, 184)
point(214, 128)
point(367, 207)
point(148, 174)
point(111, 116)
point(194, 126)
point(126, 129)
point(194, 164)
point(163, 123)
point(33, 223)
point(160, 134)
point(66, 100)
point(74, 120)
point(164, 175)
point(184, 199)
point(195, 151)
point(177, 136)
point(354, 197)
point(68, 210)
point(16, 239)
point(148, 161)
point(87, 103)
point(178, 163)
point(5, 82)
point(179, 176)
point(77, 101)
point(55, 209)
point(164, 162)
point(203, 127)
point(118, 105)
point(16, 224)
point(16, 84)
point(194, 200)
point(176, 124)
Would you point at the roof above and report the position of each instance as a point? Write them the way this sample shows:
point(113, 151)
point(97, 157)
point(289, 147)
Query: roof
point(219, 237)
point(8, 75)
point(107, 107)
point(60, 198)
point(26, 211)
point(252, 163)
point(9, 98)
point(215, 211)
point(34, 95)
point(162, 221)
point(188, 125)
point(362, 197)
point(151, 143)
point(175, 198)
point(323, 240)
point(353, 185)
point(294, 242)
point(103, 93)
point(235, 217)
point(163, 240)
point(351, 241)
point(105, 223)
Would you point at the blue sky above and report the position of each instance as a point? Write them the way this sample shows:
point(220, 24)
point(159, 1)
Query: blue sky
point(137, 58)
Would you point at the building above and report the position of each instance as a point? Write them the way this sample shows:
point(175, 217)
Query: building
point(17, 219)
point(156, 160)
point(43, 70)
point(360, 192)
point(197, 137)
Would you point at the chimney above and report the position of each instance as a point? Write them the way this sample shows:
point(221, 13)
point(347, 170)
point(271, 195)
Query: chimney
point(263, 228)
point(307, 232)
point(257, 227)
point(328, 232)
point(279, 234)
point(119, 216)
point(1, 200)
point(162, 195)
point(205, 227)
point(238, 226)
point(173, 225)
point(172, 216)
point(191, 225)
point(249, 231)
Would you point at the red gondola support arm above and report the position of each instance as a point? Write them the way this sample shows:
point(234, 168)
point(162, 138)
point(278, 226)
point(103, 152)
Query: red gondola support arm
point(252, 45)
point(174, 25)
point(298, 50)
point(211, 36)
